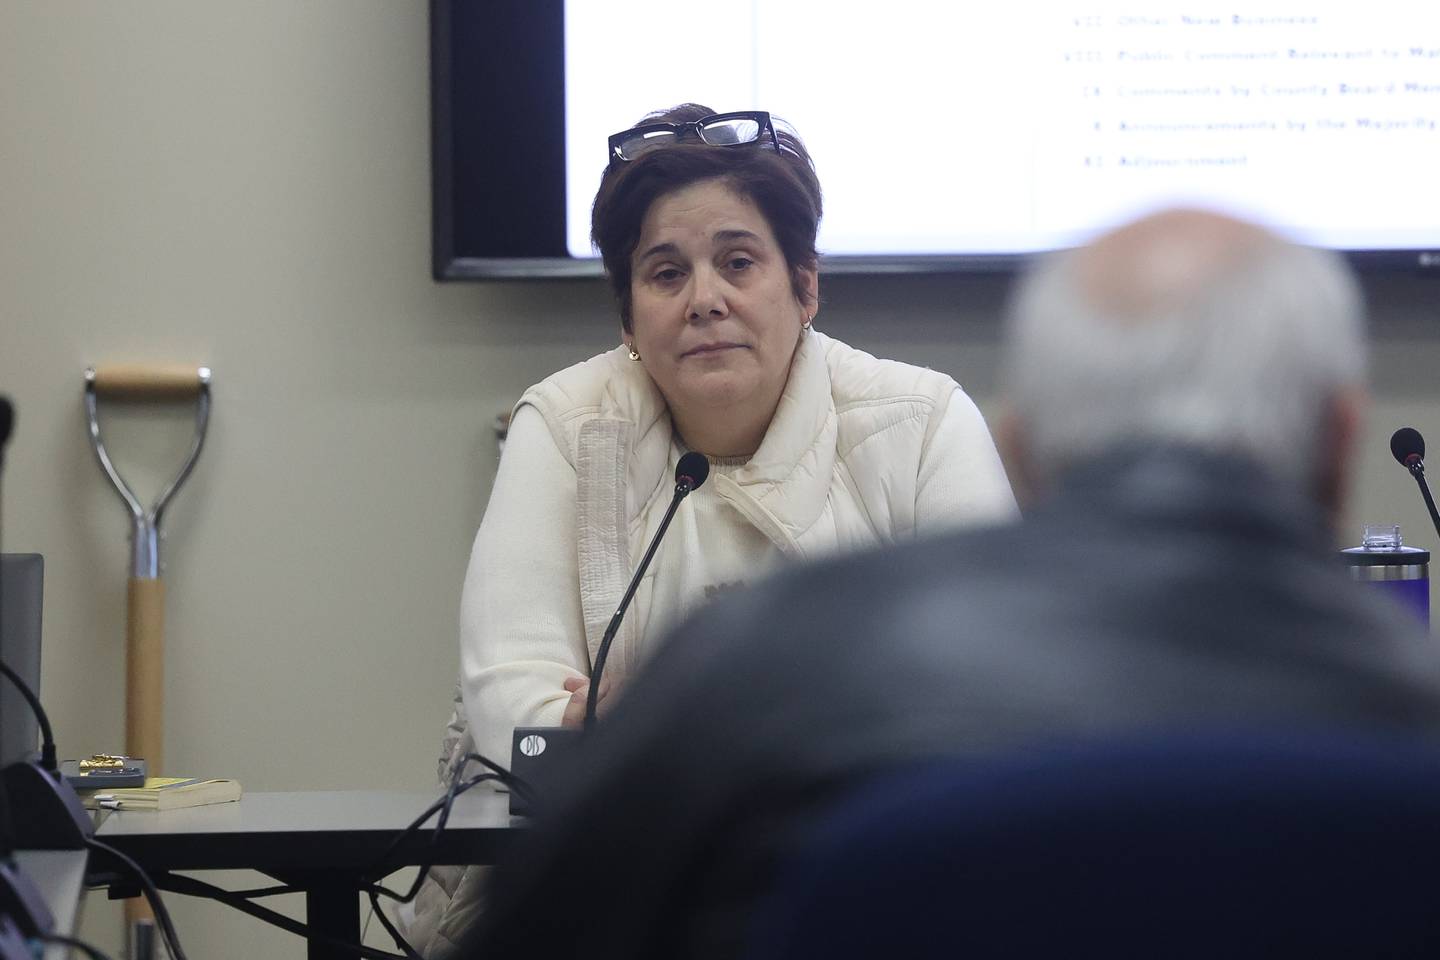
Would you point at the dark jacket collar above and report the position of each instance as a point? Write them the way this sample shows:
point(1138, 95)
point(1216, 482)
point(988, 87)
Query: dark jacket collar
point(1187, 485)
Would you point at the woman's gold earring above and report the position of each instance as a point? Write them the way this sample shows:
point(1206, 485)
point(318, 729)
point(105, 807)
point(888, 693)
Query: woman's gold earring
point(806, 324)
point(633, 354)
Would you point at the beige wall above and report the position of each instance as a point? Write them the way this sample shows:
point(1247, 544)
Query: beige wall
point(246, 185)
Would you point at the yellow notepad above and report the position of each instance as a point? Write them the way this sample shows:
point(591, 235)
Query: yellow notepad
point(163, 793)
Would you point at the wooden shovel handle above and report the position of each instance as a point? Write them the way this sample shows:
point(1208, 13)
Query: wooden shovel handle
point(144, 692)
point(131, 381)
point(145, 673)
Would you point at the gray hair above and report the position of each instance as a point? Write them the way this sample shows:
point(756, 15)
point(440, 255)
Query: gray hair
point(1244, 361)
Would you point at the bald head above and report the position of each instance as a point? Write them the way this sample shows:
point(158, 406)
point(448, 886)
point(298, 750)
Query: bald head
point(1183, 328)
point(1156, 265)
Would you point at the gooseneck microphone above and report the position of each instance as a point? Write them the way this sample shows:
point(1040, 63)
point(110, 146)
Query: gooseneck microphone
point(1408, 448)
point(690, 474)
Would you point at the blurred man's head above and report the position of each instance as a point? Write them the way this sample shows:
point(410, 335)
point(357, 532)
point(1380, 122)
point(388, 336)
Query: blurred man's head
point(1186, 328)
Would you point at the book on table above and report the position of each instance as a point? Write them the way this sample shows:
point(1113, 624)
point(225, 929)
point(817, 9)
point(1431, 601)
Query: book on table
point(163, 793)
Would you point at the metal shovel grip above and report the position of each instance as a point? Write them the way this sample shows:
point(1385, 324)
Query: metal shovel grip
point(147, 383)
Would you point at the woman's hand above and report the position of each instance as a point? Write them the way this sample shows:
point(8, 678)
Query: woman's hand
point(579, 688)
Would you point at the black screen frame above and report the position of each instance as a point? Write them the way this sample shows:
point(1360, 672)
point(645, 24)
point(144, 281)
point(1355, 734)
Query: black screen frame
point(497, 74)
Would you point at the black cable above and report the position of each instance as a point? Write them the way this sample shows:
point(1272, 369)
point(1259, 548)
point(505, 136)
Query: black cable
point(375, 890)
point(94, 953)
point(444, 805)
point(381, 867)
point(47, 737)
point(191, 887)
point(152, 894)
point(410, 952)
point(516, 783)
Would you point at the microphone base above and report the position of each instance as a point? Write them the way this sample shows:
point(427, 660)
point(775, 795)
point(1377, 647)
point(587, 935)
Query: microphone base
point(539, 756)
point(47, 809)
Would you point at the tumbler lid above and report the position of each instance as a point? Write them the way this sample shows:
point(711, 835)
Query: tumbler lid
point(1404, 556)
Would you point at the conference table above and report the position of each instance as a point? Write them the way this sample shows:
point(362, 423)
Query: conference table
point(325, 843)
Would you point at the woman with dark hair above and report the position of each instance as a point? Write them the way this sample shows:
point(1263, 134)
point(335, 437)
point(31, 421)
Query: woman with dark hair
point(706, 223)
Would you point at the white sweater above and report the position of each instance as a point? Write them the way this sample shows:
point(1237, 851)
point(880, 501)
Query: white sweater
point(860, 452)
